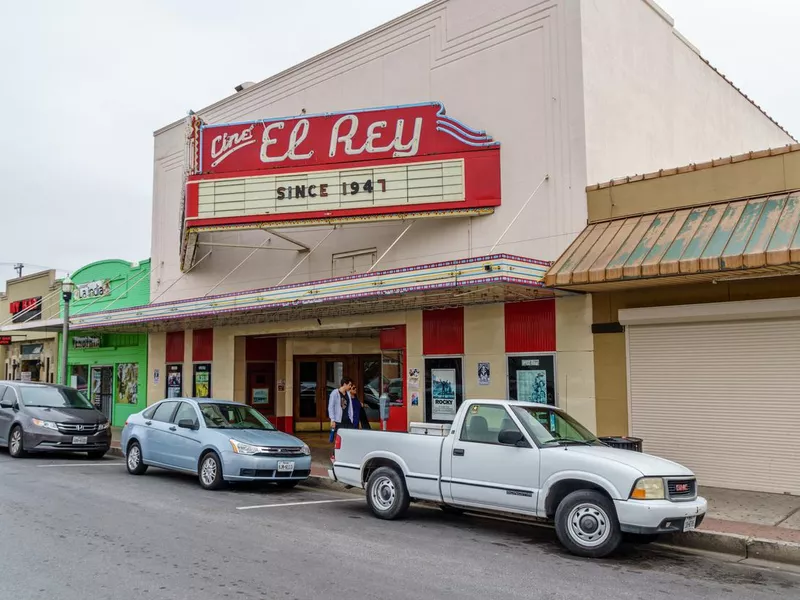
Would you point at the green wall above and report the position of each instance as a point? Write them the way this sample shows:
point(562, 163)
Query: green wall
point(124, 285)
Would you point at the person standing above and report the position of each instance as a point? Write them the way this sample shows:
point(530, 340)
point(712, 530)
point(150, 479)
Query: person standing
point(340, 409)
point(360, 420)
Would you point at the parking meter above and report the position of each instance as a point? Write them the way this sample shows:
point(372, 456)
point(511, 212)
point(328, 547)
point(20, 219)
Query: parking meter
point(384, 409)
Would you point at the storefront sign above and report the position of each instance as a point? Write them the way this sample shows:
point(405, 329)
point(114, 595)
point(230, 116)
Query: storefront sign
point(25, 377)
point(366, 162)
point(156, 376)
point(5, 340)
point(83, 343)
point(93, 289)
point(26, 310)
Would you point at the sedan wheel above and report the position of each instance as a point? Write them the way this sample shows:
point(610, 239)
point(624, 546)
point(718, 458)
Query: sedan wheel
point(134, 461)
point(211, 472)
point(15, 447)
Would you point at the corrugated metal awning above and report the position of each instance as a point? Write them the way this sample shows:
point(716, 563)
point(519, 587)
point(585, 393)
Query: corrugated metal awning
point(759, 234)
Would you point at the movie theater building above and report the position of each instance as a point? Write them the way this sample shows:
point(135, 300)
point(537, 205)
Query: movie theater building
point(387, 209)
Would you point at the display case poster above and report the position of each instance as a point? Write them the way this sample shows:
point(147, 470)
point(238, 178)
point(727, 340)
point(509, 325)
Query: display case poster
point(202, 381)
point(174, 381)
point(128, 383)
point(261, 396)
point(443, 391)
point(532, 386)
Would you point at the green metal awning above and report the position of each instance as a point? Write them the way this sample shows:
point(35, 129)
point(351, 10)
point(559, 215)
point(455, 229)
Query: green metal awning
point(753, 235)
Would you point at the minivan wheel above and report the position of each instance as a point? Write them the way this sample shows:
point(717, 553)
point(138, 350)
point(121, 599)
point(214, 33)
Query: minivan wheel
point(15, 443)
point(210, 472)
point(134, 460)
point(387, 495)
point(587, 525)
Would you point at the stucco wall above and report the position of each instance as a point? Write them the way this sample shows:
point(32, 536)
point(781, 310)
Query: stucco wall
point(509, 67)
point(651, 101)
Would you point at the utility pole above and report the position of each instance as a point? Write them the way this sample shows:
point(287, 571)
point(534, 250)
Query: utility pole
point(18, 268)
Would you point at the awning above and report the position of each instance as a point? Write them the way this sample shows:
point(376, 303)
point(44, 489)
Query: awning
point(744, 237)
point(496, 278)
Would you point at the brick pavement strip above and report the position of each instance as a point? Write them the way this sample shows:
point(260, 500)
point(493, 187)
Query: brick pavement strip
point(746, 540)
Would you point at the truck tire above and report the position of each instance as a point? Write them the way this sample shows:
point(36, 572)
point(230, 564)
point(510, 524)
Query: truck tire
point(387, 496)
point(587, 525)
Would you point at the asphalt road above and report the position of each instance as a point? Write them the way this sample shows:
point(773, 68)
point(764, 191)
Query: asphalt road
point(72, 529)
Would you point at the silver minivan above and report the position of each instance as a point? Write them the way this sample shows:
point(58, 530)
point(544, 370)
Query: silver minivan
point(40, 417)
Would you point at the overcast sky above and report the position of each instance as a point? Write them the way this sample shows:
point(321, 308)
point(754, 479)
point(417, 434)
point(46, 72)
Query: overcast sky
point(84, 83)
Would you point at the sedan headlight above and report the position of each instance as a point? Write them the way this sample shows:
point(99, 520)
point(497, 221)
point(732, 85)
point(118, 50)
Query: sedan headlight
point(306, 450)
point(45, 424)
point(242, 448)
point(649, 488)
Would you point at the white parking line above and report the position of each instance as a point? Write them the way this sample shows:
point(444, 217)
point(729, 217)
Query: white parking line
point(103, 464)
point(299, 503)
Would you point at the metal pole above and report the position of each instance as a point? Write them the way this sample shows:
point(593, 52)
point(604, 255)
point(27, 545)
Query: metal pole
point(65, 339)
point(514, 220)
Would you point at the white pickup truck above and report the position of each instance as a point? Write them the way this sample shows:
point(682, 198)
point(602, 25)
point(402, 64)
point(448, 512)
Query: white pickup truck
point(527, 460)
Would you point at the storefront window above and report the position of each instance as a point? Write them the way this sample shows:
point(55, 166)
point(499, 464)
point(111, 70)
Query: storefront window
point(371, 380)
point(392, 376)
point(202, 381)
point(128, 383)
point(79, 378)
point(532, 378)
point(308, 390)
point(444, 388)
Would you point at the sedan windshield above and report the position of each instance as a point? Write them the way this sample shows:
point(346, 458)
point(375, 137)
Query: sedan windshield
point(53, 397)
point(553, 427)
point(233, 416)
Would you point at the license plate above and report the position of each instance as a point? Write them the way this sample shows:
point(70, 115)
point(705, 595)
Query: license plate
point(690, 523)
point(285, 467)
point(79, 440)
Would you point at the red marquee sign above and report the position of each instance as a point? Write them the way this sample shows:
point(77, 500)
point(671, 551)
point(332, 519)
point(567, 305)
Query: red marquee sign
point(382, 161)
point(5, 340)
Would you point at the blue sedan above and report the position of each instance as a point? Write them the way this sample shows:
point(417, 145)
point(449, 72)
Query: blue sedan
point(216, 440)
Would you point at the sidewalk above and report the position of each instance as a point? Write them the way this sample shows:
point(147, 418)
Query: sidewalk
point(751, 525)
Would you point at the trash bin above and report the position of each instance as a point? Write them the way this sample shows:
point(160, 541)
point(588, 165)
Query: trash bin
point(623, 443)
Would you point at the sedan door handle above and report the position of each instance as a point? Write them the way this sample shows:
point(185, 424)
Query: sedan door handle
point(173, 428)
point(458, 452)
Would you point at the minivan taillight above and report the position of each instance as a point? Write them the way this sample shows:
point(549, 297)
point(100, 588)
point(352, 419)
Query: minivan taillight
point(338, 443)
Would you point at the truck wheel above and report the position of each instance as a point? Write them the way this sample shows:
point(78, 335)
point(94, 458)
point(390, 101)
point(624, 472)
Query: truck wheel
point(387, 495)
point(587, 525)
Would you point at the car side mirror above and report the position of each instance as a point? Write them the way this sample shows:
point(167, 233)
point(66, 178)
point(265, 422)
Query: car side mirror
point(6, 405)
point(512, 437)
point(188, 424)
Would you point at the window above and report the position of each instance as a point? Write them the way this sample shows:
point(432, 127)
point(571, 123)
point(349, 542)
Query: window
point(350, 263)
point(233, 416)
point(164, 411)
point(552, 427)
point(52, 397)
point(148, 414)
point(484, 424)
point(2, 391)
point(185, 412)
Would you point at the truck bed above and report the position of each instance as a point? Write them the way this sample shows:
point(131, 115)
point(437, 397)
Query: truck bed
point(418, 455)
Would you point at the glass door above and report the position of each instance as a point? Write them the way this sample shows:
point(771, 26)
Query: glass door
point(102, 389)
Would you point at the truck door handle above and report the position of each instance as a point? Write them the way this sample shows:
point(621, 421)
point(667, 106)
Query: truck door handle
point(173, 428)
point(458, 452)
point(148, 422)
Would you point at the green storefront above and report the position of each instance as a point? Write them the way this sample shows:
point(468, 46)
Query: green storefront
point(110, 368)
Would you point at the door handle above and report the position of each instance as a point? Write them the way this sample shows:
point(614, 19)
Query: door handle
point(173, 428)
point(148, 422)
point(458, 452)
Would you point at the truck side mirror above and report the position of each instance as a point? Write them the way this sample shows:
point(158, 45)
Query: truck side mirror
point(512, 437)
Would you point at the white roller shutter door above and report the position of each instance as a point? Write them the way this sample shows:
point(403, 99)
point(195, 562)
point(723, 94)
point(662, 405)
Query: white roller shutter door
point(722, 398)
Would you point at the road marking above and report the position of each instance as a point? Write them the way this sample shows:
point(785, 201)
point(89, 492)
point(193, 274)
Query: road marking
point(103, 464)
point(300, 503)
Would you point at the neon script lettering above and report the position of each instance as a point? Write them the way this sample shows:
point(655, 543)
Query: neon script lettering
point(224, 145)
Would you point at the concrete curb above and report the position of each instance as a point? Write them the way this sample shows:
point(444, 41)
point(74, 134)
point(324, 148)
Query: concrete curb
point(327, 483)
point(738, 545)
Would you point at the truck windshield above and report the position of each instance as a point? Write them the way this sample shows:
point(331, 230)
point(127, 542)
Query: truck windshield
point(552, 427)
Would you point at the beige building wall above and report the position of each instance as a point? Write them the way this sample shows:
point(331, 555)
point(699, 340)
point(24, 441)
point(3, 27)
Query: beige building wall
point(575, 358)
point(484, 341)
point(156, 359)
